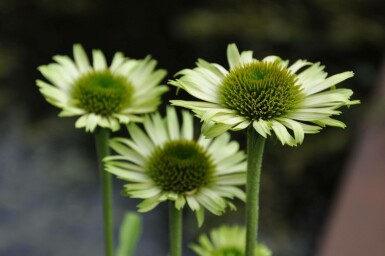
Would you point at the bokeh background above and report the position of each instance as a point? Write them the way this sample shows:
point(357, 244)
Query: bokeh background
point(49, 186)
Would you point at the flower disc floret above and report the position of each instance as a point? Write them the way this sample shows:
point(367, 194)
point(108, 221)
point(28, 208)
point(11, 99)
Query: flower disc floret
point(180, 166)
point(102, 93)
point(259, 90)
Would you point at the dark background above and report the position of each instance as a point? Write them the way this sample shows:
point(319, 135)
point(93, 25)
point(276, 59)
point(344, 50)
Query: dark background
point(49, 187)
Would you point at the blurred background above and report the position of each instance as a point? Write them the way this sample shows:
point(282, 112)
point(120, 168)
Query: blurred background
point(49, 185)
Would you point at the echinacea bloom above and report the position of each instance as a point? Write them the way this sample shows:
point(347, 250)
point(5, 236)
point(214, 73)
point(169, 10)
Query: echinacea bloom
point(101, 95)
point(226, 241)
point(164, 162)
point(268, 94)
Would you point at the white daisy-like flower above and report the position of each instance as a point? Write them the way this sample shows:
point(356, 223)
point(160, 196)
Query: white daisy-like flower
point(226, 241)
point(268, 94)
point(164, 162)
point(101, 95)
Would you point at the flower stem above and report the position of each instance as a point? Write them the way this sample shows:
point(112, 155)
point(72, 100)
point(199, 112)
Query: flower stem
point(175, 220)
point(255, 146)
point(101, 140)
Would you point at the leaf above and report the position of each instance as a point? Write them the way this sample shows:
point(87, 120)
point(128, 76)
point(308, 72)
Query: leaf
point(130, 231)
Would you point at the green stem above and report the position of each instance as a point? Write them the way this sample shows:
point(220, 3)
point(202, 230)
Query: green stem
point(102, 150)
point(175, 220)
point(255, 145)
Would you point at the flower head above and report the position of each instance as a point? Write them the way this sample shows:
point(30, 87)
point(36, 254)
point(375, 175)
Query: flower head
point(226, 241)
point(268, 94)
point(101, 95)
point(164, 162)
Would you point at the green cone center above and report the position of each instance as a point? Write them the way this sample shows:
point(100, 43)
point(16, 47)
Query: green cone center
point(230, 251)
point(102, 93)
point(259, 90)
point(180, 166)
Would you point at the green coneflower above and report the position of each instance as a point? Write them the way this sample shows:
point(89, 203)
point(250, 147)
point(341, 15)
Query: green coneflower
point(226, 241)
point(268, 94)
point(102, 95)
point(164, 162)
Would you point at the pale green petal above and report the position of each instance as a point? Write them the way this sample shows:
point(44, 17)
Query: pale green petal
point(121, 146)
point(312, 75)
point(192, 203)
point(148, 204)
point(68, 64)
point(211, 130)
point(180, 202)
point(155, 128)
point(299, 133)
point(272, 59)
point(152, 80)
point(298, 65)
point(81, 59)
point(233, 56)
point(246, 57)
point(330, 122)
point(188, 126)
point(230, 192)
point(262, 127)
point(232, 179)
point(125, 68)
point(54, 76)
point(200, 214)
point(172, 124)
point(92, 122)
point(99, 61)
point(282, 134)
point(193, 104)
point(194, 88)
point(329, 82)
point(52, 93)
point(141, 139)
point(127, 175)
point(117, 60)
point(145, 193)
point(124, 165)
point(70, 111)
point(243, 125)
point(216, 69)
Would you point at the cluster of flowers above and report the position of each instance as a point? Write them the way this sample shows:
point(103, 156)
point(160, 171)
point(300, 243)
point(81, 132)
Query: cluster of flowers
point(161, 159)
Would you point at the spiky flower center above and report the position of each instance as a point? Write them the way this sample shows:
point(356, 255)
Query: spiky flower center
point(102, 93)
point(259, 90)
point(228, 251)
point(180, 166)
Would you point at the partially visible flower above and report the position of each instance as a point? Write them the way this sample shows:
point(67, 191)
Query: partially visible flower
point(267, 94)
point(164, 162)
point(226, 241)
point(101, 95)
